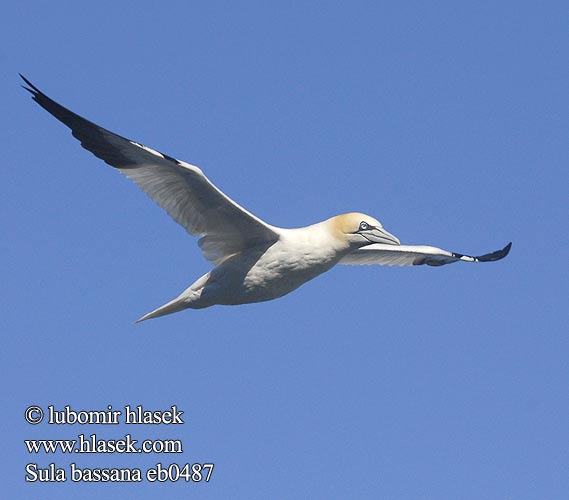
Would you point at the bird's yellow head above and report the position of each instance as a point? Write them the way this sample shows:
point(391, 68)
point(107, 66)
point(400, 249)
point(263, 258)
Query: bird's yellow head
point(359, 230)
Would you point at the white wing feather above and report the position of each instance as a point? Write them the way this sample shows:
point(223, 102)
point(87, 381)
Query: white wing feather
point(180, 188)
point(407, 255)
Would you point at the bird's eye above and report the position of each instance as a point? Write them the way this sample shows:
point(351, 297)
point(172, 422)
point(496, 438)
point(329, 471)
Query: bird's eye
point(364, 226)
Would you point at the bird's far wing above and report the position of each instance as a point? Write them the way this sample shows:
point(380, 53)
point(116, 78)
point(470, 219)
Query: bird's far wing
point(405, 255)
point(181, 189)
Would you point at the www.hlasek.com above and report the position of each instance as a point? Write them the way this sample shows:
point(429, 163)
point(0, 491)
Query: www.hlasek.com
point(92, 444)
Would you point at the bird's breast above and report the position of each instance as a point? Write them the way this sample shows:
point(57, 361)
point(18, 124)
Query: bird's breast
point(267, 273)
point(288, 264)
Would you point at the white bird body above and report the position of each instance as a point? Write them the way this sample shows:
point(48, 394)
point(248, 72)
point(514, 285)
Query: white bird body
point(254, 261)
point(264, 273)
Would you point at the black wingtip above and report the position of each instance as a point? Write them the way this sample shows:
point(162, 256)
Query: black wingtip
point(32, 89)
point(497, 255)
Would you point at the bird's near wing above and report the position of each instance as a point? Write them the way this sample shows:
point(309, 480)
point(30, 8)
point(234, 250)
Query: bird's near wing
point(178, 187)
point(405, 255)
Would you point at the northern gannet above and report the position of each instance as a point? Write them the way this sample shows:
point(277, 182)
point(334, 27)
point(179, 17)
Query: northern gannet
point(254, 261)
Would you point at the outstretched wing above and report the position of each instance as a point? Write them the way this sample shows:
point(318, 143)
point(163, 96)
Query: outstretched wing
point(405, 255)
point(181, 189)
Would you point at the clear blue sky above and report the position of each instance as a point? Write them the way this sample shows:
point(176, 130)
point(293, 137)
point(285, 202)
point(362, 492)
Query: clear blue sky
point(447, 121)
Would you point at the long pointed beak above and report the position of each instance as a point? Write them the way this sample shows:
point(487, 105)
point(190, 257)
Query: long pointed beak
point(380, 235)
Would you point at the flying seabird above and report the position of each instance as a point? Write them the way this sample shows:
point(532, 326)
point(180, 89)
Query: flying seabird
point(254, 261)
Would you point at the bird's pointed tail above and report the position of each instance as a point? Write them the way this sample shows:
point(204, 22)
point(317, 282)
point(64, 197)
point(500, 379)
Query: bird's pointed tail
point(173, 306)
